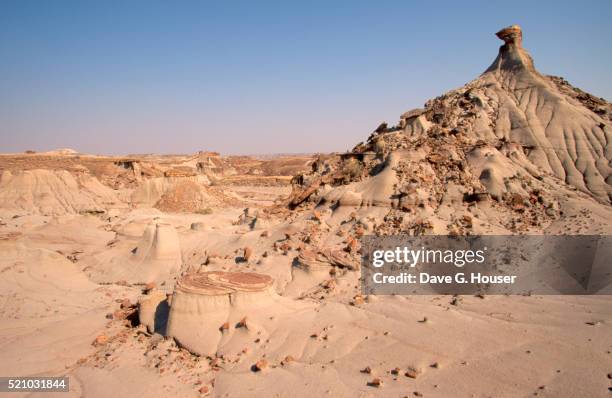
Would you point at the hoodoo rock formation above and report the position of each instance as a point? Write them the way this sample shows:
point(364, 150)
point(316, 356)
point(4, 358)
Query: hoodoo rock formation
point(526, 140)
point(203, 302)
point(511, 35)
point(156, 258)
point(558, 134)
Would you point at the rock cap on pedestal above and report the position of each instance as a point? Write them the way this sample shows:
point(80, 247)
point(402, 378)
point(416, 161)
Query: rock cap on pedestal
point(511, 35)
point(216, 283)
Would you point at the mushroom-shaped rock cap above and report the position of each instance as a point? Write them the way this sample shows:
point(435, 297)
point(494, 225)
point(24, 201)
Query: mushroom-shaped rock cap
point(511, 35)
point(512, 56)
point(216, 283)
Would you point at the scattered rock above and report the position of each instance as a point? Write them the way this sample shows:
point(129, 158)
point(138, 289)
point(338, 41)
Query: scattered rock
point(376, 382)
point(156, 339)
point(412, 372)
point(260, 365)
point(358, 300)
point(242, 323)
point(100, 340)
point(247, 254)
point(288, 359)
point(149, 286)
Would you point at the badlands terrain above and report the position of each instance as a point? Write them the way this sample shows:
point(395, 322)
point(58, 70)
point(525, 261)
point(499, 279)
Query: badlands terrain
point(208, 275)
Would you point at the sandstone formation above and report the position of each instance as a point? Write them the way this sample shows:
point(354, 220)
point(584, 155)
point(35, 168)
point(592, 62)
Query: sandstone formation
point(555, 133)
point(66, 182)
point(524, 140)
point(58, 192)
point(157, 257)
point(171, 192)
point(203, 302)
point(153, 310)
point(323, 260)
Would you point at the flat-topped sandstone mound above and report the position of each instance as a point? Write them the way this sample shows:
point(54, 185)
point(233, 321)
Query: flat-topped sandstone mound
point(211, 309)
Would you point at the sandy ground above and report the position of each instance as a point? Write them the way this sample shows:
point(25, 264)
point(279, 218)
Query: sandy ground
point(494, 346)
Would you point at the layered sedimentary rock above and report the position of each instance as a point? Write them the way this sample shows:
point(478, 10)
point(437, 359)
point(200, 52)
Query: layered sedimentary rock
point(525, 140)
point(555, 132)
point(324, 260)
point(207, 305)
point(172, 192)
point(54, 192)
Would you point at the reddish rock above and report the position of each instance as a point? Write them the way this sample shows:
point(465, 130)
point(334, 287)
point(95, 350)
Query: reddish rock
point(125, 303)
point(248, 253)
point(511, 35)
point(288, 359)
point(242, 323)
point(358, 300)
point(260, 365)
point(118, 315)
point(376, 382)
point(100, 340)
point(412, 372)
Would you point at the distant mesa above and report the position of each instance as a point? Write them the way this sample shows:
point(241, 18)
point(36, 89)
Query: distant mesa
point(62, 152)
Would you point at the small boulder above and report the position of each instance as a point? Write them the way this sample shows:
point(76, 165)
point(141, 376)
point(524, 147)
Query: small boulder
point(260, 365)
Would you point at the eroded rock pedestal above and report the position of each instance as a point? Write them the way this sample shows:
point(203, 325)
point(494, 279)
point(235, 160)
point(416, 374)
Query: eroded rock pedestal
point(156, 258)
point(209, 307)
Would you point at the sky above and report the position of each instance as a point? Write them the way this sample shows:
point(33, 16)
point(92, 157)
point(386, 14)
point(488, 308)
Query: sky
point(255, 77)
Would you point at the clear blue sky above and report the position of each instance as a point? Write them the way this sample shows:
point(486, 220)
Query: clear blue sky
point(261, 77)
